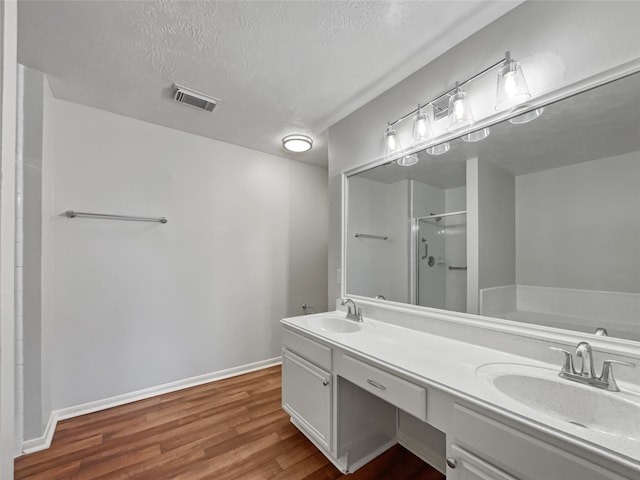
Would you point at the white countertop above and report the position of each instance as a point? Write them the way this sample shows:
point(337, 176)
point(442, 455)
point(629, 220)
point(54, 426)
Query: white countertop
point(451, 366)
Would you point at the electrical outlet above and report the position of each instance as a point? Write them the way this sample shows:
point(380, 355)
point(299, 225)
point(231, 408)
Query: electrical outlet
point(339, 276)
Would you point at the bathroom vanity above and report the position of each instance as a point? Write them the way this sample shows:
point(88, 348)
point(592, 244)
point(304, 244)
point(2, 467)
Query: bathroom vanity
point(470, 261)
point(356, 389)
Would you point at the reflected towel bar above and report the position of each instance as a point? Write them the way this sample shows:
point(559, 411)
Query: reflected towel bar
point(107, 216)
point(438, 216)
point(377, 237)
point(457, 268)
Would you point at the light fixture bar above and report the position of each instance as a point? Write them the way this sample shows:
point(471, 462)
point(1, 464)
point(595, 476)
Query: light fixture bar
point(451, 90)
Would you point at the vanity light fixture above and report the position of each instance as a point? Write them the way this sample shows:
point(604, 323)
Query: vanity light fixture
point(512, 86)
point(460, 115)
point(512, 90)
point(477, 135)
point(297, 143)
point(392, 143)
point(408, 160)
point(439, 149)
point(422, 131)
point(527, 117)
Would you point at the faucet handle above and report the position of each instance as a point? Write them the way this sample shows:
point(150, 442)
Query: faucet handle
point(607, 373)
point(567, 367)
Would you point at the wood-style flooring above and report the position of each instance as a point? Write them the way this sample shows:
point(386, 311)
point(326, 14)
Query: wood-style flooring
point(229, 429)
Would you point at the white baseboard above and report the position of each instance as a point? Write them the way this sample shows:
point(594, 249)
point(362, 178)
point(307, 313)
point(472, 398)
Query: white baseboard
point(425, 454)
point(44, 442)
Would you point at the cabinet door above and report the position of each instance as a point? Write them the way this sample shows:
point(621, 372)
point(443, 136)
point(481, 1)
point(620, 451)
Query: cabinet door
point(306, 396)
point(462, 465)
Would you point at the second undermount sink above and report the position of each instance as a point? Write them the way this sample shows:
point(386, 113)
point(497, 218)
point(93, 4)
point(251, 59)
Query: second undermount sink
point(540, 389)
point(334, 324)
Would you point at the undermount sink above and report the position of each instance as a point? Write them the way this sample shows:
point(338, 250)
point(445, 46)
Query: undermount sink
point(610, 413)
point(333, 324)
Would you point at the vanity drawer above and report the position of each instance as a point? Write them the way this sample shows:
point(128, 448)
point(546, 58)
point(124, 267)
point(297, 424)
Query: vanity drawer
point(404, 395)
point(308, 349)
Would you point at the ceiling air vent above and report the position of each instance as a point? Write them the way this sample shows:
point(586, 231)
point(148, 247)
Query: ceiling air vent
point(195, 99)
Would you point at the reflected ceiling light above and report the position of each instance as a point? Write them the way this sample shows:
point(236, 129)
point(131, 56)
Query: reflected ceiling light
point(297, 143)
point(512, 87)
point(460, 115)
point(527, 117)
point(408, 160)
point(439, 149)
point(392, 143)
point(422, 131)
point(477, 135)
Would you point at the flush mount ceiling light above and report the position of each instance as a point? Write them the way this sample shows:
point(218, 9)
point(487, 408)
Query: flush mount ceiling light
point(512, 87)
point(297, 143)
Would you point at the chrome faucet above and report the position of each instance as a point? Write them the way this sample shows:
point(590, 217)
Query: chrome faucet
point(601, 332)
point(353, 312)
point(583, 351)
point(587, 375)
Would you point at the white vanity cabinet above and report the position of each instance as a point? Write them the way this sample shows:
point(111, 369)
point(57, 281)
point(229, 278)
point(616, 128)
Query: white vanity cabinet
point(354, 406)
point(307, 387)
point(483, 448)
point(306, 396)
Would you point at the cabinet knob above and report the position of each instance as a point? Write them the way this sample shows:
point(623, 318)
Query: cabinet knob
point(325, 382)
point(452, 462)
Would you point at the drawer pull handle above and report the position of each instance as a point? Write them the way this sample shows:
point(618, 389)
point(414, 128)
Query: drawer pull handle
point(325, 382)
point(452, 462)
point(373, 383)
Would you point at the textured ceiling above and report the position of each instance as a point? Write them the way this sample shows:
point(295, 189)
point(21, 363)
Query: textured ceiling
point(278, 66)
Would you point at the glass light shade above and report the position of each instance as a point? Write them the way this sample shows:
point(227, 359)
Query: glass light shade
point(439, 149)
point(527, 117)
point(408, 160)
point(477, 135)
point(512, 87)
point(460, 114)
point(422, 131)
point(297, 143)
point(392, 144)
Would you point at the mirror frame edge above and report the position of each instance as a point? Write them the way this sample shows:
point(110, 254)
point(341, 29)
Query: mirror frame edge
point(619, 346)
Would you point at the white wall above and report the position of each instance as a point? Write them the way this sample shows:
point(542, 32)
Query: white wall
point(33, 88)
point(579, 226)
point(456, 250)
point(497, 226)
point(557, 43)
point(140, 304)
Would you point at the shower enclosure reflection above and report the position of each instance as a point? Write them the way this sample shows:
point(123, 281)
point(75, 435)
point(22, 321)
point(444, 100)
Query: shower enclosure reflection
point(537, 223)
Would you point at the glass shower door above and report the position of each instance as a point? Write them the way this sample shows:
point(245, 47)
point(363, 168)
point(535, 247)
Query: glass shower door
point(441, 261)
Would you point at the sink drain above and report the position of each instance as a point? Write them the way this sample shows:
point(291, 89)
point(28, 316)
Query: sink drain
point(578, 424)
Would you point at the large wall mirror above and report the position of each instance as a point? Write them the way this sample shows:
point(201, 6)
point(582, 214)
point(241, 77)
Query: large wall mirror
point(539, 222)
